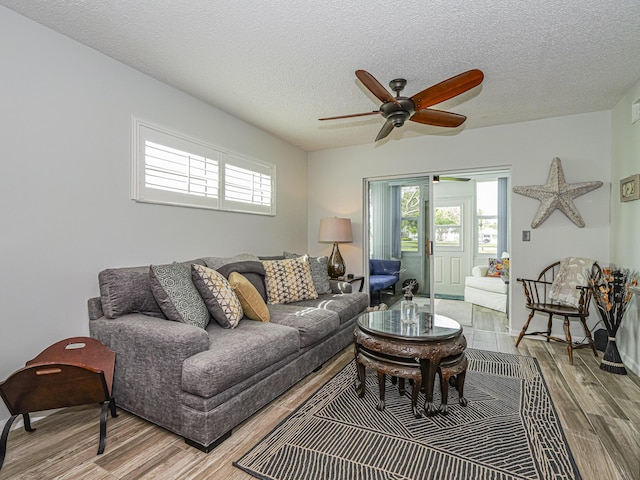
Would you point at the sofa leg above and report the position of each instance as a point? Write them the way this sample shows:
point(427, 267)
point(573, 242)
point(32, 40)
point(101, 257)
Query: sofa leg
point(318, 368)
point(211, 446)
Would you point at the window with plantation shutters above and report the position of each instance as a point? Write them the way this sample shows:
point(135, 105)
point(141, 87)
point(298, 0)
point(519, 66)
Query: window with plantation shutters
point(173, 169)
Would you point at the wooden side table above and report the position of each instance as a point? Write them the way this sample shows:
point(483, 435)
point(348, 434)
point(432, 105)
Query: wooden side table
point(75, 371)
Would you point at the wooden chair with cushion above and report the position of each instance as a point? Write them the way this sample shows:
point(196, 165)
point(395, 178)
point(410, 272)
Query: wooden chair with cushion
point(557, 292)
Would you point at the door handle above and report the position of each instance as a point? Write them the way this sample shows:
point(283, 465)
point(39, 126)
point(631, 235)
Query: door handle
point(429, 248)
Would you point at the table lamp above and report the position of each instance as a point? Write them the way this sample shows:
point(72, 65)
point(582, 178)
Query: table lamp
point(335, 230)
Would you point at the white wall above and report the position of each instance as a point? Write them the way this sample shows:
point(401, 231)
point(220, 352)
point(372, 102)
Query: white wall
point(625, 217)
point(583, 143)
point(65, 207)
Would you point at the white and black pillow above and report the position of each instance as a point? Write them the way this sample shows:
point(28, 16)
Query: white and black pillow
point(289, 280)
point(222, 302)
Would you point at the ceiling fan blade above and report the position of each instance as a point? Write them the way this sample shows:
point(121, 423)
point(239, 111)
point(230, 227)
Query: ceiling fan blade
point(385, 130)
point(439, 118)
point(448, 89)
point(375, 87)
point(352, 115)
point(454, 179)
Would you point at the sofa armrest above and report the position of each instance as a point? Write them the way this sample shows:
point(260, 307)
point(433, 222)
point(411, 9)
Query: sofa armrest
point(479, 271)
point(149, 356)
point(338, 286)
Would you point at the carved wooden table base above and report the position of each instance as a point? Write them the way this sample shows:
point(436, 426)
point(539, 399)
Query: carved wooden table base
point(417, 360)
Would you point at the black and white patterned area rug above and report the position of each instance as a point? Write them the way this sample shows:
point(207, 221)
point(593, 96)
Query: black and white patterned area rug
point(509, 430)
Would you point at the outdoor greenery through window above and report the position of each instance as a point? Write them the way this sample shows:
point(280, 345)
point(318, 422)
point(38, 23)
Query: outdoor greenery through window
point(170, 168)
point(448, 226)
point(410, 216)
point(487, 217)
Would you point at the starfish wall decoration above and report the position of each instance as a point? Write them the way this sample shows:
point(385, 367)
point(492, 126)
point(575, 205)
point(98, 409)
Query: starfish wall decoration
point(557, 194)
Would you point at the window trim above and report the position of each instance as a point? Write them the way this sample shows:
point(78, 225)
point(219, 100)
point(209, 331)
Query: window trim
point(143, 131)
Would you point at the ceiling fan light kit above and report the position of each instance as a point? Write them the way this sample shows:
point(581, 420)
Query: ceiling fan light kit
point(397, 110)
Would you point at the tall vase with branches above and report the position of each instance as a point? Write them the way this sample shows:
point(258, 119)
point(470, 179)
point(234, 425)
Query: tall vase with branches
point(612, 295)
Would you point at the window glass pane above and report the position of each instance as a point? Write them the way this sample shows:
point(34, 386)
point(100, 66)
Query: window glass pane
point(487, 235)
point(247, 186)
point(410, 201)
point(409, 235)
point(448, 226)
point(487, 217)
point(487, 198)
point(448, 236)
point(171, 169)
point(410, 216)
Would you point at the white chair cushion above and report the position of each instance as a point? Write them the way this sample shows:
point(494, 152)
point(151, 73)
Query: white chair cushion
point(489, 284)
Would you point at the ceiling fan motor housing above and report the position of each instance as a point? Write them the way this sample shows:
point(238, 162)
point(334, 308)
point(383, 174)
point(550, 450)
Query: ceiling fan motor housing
point(398, 113)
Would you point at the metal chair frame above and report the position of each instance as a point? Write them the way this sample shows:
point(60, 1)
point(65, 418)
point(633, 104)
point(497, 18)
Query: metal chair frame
point(537, 297)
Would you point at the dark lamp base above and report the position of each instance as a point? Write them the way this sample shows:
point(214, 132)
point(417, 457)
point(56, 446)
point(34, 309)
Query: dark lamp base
point(336, 267)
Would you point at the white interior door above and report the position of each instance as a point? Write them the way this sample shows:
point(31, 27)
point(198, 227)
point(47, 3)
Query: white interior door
point(452, 245)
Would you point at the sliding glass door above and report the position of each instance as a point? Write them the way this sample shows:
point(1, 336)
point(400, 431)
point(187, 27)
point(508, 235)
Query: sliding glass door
point(399, 225)
point(438, 228)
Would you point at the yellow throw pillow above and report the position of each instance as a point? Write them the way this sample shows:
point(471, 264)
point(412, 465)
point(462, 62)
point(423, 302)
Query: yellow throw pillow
point(252, 303)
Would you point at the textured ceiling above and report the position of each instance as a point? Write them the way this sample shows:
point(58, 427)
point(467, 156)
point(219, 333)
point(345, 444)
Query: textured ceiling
point(282, 65)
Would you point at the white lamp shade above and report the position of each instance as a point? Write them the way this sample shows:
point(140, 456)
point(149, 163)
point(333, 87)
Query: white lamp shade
point(335, 230)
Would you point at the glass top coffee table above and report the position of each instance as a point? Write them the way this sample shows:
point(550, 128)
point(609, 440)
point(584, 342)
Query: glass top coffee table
point(391, 347)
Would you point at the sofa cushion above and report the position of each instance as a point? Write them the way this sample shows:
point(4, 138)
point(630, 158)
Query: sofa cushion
point(236, 354)
point(313, 324)
point(127, 290)
point(289, 280)
point(222, 302)
point(217, 262)
point(319, 272)
point(252, 303)
point(346, 306)
point(252, 270)
point(379, 266)
point(176, 294)
point(379, 282)
point(489, 284)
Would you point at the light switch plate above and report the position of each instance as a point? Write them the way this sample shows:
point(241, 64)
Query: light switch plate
point(635, 111)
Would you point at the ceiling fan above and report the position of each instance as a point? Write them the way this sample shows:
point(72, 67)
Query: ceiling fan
point(398, 110)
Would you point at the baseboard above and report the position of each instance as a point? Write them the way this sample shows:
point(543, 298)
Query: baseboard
point(449, 297)
point(629, 363)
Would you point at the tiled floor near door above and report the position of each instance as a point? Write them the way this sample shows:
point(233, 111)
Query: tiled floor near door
point(490, 331)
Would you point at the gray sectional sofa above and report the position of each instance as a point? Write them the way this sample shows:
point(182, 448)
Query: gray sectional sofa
point(200, 383)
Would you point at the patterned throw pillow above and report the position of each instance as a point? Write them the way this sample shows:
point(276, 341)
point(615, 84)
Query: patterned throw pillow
point(573, 272)
point(176, 294)
point(319, 272)
point(221, 300)
point(289, 280)
point(498, 267)
point(252, 303)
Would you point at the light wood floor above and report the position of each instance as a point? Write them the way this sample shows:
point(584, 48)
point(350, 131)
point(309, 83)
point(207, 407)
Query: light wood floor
point(600, 413)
